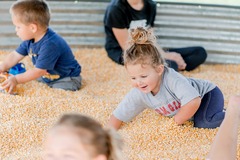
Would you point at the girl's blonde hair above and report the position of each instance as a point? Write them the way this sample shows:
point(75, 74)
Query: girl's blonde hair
point(31, 11)
point(142, 48)
point(98, 140)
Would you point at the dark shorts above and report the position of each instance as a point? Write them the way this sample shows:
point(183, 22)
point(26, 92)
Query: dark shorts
point(211, 111)
point(68, 83)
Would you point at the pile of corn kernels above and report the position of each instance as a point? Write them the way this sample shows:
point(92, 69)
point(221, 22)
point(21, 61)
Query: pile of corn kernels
point(25, 118)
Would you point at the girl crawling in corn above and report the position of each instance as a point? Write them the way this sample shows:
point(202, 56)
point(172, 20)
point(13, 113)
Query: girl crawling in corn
point(164, 90)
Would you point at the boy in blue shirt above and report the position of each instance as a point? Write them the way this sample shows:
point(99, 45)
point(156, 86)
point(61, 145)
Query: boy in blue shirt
point(53, 60)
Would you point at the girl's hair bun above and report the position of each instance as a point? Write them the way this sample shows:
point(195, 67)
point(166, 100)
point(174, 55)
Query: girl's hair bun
point(141, 35)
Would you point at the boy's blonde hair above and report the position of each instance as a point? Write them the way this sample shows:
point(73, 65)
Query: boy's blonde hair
point(31, 11)
point(93, 136)
point(142, 48)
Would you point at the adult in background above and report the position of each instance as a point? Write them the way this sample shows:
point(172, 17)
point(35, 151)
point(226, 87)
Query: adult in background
point(121, 15)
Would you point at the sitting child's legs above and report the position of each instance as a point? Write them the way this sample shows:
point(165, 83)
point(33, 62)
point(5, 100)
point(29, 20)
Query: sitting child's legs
point(193, 56)
point(210, 113)
point(68, 83)
point(116, 55)
point(172, 64)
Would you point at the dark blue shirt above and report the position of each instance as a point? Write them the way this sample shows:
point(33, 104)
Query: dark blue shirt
point(53, 54)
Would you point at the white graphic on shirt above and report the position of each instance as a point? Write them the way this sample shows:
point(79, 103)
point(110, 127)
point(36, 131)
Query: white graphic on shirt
point(31, 54)
point(138, 23)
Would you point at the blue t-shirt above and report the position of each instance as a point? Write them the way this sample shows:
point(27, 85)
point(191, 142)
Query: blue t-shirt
point(53, 54)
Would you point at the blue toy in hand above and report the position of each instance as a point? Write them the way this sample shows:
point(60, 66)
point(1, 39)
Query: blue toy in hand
point(17, 69)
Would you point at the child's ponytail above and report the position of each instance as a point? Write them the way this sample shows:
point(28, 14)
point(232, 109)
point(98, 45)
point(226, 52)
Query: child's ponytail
point(115, 144)
point(141, 36)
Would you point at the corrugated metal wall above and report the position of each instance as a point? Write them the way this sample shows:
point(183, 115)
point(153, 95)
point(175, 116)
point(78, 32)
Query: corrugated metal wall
point(217, 28)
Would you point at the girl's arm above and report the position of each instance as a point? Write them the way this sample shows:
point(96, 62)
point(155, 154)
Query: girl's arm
point(114, 122)
point(224, 145)
point(187, 111)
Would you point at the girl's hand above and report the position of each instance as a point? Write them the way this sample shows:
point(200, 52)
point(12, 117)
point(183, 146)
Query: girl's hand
point(9, 84)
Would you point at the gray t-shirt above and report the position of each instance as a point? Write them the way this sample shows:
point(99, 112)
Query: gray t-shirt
point(175, 91)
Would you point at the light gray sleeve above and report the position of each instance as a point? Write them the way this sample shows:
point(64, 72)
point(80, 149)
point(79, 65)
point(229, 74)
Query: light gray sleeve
point(130, 106)
point(182, 88)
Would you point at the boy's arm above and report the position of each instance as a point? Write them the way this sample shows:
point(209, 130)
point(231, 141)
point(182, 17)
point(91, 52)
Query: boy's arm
point(22, 78)
point(114, 122)
point(11, 59)
point(30, 74)
point(224, 145)
point(187, 111)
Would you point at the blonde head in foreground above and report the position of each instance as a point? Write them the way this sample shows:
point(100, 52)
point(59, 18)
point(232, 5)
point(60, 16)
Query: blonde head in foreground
point(78, 137)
